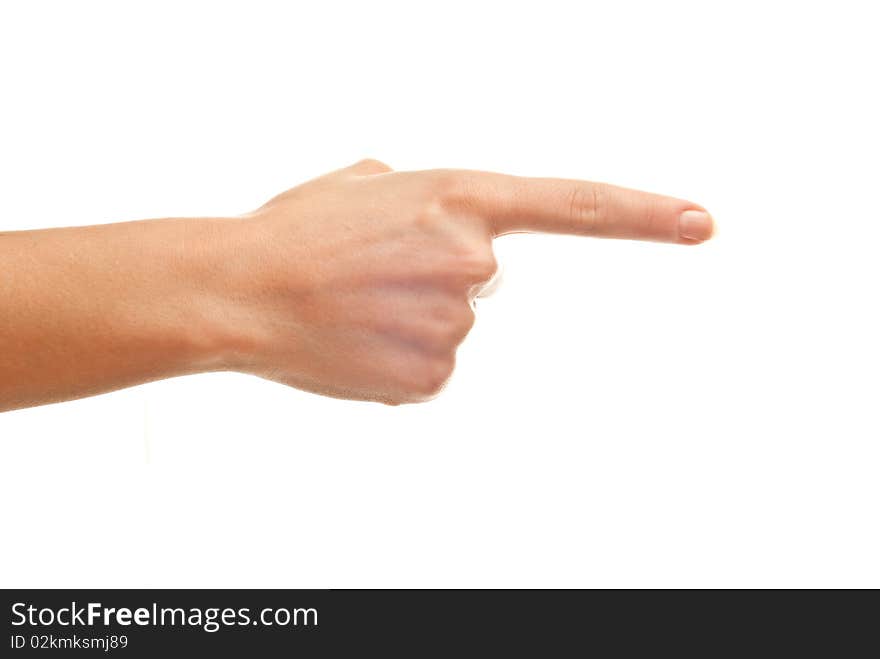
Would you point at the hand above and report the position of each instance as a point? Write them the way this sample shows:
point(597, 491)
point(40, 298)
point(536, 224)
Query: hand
point(359, 284)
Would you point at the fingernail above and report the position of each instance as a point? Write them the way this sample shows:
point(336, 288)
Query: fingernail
point(695, 225)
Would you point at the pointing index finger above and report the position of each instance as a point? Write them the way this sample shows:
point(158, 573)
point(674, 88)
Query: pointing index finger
point(514, 204)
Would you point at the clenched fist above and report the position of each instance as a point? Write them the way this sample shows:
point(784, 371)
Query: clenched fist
point(358, 284)
point(362, 281)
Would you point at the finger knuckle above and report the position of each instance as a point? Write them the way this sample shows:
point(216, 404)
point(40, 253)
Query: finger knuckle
point(473, 259)
point(430, 377)
point(447, 329)
point(440, 184)
point(459, 327)
point(444, 336)
point(586, 206)
point(466, 320)
point(481, 265)
point(453, 189)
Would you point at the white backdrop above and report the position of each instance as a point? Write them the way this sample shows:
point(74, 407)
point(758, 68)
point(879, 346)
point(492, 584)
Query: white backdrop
point(622, 415)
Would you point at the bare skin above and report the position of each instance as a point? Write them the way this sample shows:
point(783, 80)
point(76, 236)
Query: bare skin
point(357, 284)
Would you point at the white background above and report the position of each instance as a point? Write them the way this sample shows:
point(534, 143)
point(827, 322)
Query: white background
point(623, 414)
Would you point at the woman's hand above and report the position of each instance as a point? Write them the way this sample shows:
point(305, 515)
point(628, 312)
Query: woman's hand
point(360, 284)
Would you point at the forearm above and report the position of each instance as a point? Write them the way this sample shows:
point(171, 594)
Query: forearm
point(90, 309)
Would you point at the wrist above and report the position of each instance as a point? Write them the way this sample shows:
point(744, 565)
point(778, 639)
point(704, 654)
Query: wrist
point(223, 334)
